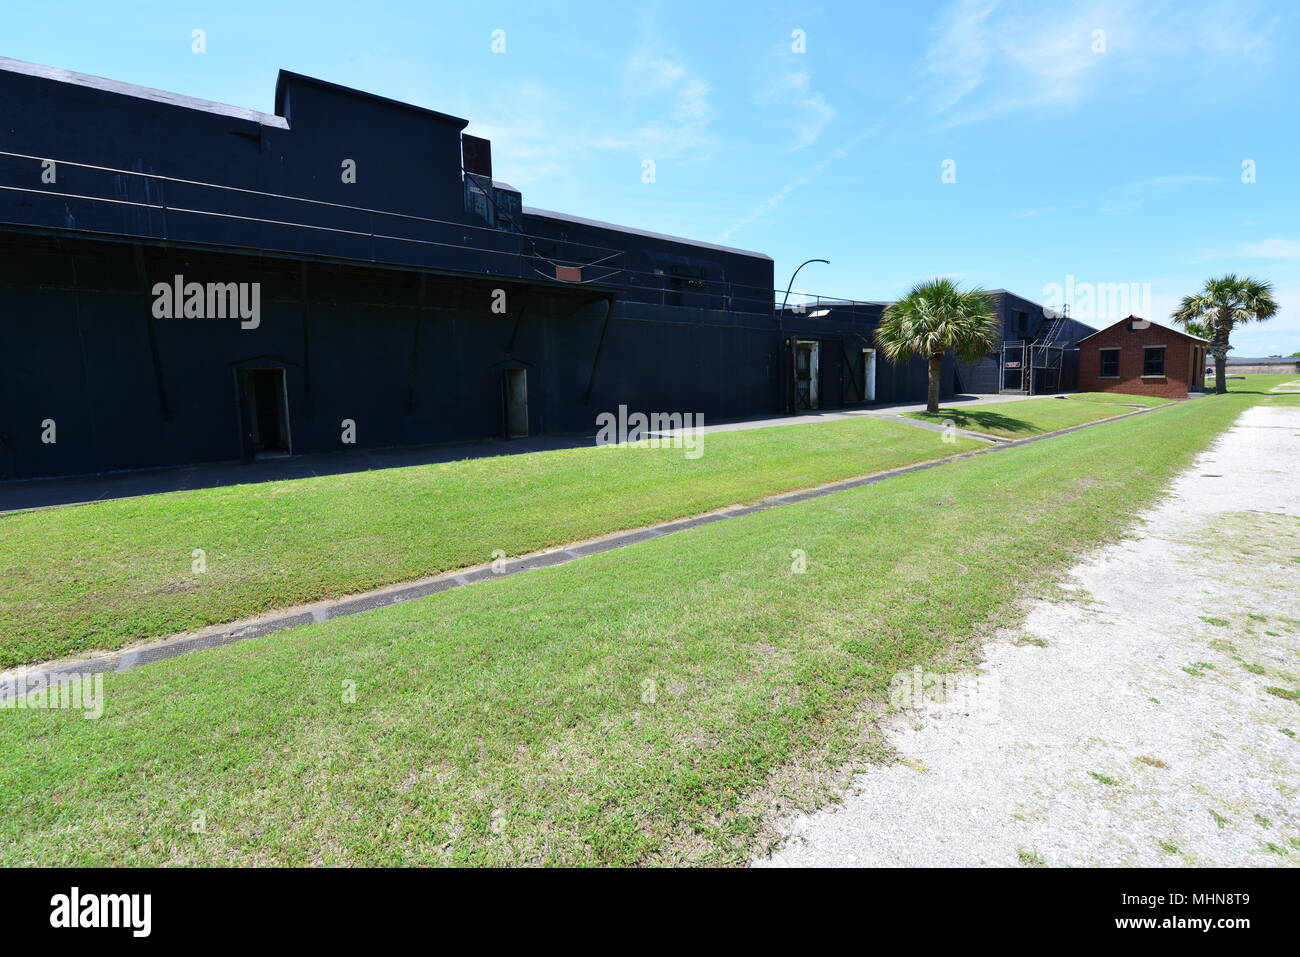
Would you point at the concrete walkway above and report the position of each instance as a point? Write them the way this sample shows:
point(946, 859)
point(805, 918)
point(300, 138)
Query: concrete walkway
point(962, 400)
point(44, 493)
point(883, 411)
point(1131, 721)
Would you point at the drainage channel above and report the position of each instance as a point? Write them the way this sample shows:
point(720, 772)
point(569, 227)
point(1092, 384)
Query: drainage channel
point(398, 594)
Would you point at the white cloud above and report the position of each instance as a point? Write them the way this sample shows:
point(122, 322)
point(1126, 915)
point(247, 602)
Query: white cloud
point(780, 195)
point(662, 110)
point(804, 109)
point(1234, 34)
point(994, 57)
point(1277, 248)
point(959, 56)
point(1037, 211)
point(1128, 198)
point(1020, 57)
point(1279, 336)
point(525, 149)
point(676, 102)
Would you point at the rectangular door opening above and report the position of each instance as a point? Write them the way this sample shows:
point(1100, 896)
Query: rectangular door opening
point(266, 411)
point(806, 373)
point(868, 375)
point(1013, 373)
point(516, 386)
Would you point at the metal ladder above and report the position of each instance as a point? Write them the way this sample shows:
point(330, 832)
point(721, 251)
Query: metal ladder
point(1036, 353)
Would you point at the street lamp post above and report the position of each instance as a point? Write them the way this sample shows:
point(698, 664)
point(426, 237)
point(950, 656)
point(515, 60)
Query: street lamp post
point(781, 316)
point(780, 330)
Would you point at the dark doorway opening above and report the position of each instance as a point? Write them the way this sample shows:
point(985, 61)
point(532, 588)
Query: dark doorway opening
point(516, 393)
point(807, 374)
point(265, 411)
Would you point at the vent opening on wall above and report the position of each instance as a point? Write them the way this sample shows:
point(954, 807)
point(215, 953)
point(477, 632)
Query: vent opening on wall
point(476, 161)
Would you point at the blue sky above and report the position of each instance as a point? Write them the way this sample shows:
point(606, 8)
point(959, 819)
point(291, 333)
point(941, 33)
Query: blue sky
point(1092, 143)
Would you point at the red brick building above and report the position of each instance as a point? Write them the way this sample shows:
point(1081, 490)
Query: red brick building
point(1138, 357)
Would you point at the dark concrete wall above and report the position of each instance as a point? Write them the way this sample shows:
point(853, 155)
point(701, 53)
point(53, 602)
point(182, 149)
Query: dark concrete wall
point(127, 390)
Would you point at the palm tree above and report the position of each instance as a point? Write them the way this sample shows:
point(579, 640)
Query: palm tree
point(1219, 307)
point(937, 316)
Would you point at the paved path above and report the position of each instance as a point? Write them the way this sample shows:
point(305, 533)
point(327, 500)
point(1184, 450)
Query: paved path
point(1123, 727)
point(884, 411)
point(963, 400)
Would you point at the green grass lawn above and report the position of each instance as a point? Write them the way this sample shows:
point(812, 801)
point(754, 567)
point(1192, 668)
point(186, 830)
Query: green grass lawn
point(94, 576)
point(1259, 383)
point(1118, 398)
point(642, 706)
point(1026, 417)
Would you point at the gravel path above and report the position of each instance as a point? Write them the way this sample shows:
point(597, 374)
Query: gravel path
point(1120, 727)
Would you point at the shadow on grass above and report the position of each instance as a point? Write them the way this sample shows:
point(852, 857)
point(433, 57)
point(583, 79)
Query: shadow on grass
point(981, 420)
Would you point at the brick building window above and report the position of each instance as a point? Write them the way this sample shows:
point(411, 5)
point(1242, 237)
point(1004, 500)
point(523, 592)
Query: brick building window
point(1109, 364)
point(1153, 361)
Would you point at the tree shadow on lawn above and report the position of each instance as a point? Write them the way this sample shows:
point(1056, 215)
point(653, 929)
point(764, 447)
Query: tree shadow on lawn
point(982, 420)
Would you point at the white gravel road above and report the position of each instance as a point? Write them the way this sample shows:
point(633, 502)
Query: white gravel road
point(1120, 727)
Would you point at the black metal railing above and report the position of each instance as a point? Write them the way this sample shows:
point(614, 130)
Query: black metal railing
point(103, 199)
point(810, 308)
point(107, 200)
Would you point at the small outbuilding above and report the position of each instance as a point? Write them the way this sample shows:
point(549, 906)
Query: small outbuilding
point(1139, 357)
